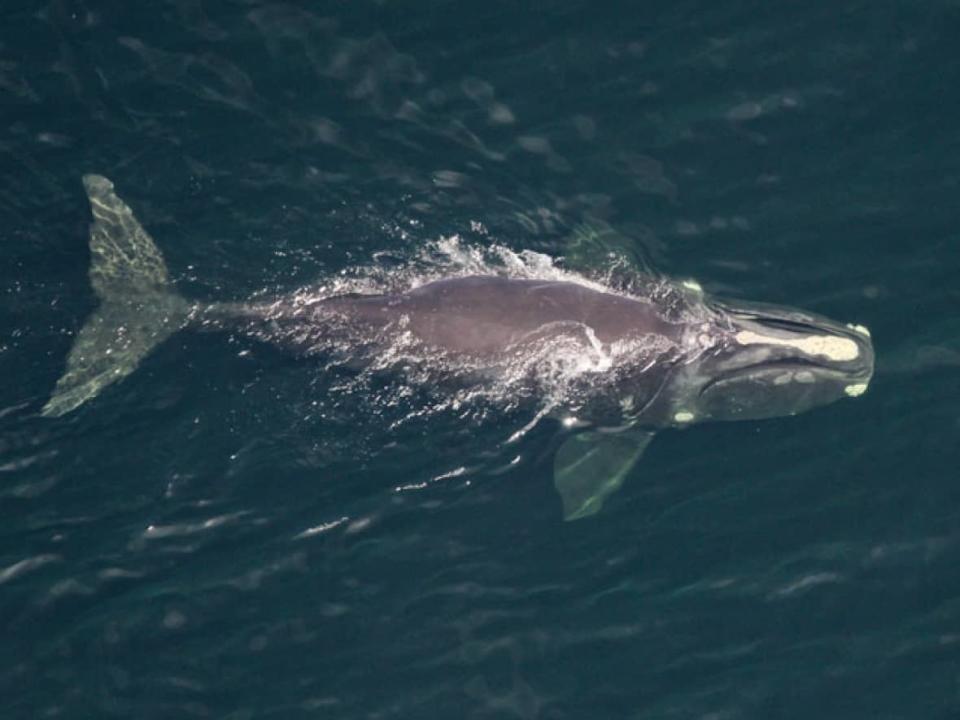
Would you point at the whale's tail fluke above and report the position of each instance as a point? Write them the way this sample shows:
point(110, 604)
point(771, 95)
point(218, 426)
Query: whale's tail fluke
point(139, 307)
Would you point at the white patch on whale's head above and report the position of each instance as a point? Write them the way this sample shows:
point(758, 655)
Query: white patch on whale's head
point(856, 390)
point(829, 346)
point(769, 361)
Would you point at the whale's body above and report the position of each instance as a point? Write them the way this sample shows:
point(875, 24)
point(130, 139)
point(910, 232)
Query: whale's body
point(487, 316)
point(669, 356)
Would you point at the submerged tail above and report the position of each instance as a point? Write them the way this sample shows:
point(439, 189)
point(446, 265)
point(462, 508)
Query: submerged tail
point(139, 307)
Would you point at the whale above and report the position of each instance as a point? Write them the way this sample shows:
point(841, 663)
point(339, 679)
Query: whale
point(664, 355)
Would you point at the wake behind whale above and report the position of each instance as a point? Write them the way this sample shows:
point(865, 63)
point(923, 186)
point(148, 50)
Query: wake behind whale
point(613, 366)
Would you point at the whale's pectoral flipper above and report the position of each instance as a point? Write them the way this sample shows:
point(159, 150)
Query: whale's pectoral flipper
point(139, 307)
point(593, 244)
point(591, 466)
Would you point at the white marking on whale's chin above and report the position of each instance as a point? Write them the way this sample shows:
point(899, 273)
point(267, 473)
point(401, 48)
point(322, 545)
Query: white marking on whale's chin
point(692, 285)
point(684, 416)
point(859, 328)
point(804, 377)
point(838, 349)
point(855, 390)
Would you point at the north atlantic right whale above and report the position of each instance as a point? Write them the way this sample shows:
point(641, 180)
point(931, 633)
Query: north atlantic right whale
point(630, 363)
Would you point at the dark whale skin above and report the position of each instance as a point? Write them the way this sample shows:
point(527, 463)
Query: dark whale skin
point(485, 315)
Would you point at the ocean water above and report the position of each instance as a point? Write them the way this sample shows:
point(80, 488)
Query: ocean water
point(235, 532)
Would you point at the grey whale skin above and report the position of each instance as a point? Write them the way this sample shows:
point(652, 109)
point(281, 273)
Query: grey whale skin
point(710, 359)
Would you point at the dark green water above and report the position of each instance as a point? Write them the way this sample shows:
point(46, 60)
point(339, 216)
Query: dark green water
point(230, 532)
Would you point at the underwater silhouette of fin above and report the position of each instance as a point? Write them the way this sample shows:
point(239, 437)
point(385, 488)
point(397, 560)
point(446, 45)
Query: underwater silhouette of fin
point(590, 466)
point(139, 308)
point(594, 244)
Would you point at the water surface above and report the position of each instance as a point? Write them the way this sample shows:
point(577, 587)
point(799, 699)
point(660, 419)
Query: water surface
point(233, 532)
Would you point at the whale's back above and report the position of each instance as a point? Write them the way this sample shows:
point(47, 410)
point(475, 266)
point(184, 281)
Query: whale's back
point(484, 315)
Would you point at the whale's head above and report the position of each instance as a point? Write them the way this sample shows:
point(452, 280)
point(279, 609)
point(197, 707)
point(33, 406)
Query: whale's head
point(760, 361)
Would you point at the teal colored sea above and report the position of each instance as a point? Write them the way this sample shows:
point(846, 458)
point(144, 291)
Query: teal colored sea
point(236, 531)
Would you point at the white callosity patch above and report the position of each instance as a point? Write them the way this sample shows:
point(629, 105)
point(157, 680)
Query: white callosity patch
point(683, 416)
point(834, 348)
point(855, 390)
point(859, 328)
point(804, 377)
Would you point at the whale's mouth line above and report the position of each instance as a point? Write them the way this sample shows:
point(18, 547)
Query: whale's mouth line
point(792, 364)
